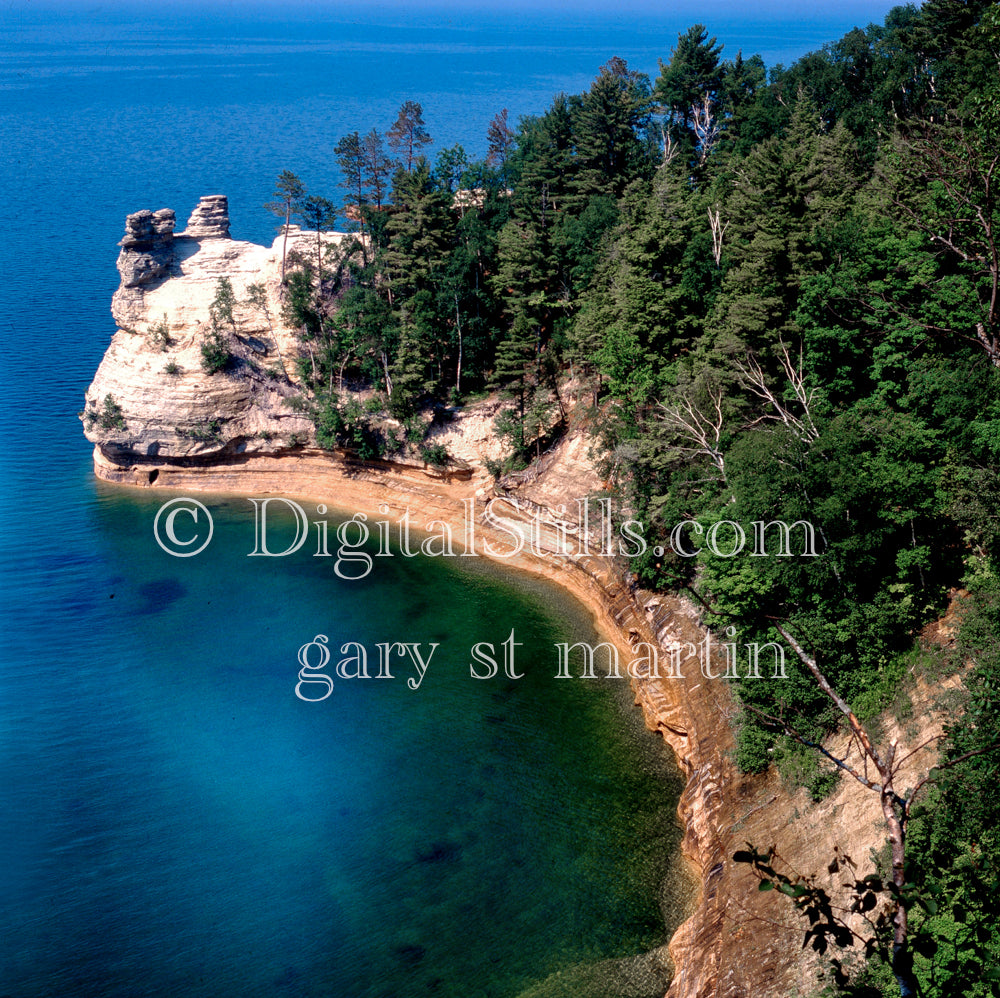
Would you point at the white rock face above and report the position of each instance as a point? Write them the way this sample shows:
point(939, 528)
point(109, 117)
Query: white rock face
point(151, 399)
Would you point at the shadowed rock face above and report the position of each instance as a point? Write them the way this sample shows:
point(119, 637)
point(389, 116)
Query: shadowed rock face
point(147, 247)
point(210, 219)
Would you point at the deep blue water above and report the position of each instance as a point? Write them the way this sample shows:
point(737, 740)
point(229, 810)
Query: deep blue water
point(173, 820)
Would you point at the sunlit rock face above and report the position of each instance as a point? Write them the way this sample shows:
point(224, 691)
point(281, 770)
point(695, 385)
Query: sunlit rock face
point(151, 398)
point(210, 219)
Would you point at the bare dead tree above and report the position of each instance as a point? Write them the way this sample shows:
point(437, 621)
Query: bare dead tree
point(755, 380)
point(701, 430)
point(706, 127)
point(387, 378)
point(670, 147)
point(718, 231)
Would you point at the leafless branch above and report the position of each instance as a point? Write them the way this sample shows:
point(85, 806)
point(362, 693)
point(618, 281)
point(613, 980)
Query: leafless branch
point(706, 127)
point(755, 379)
point(718, 231)
point(703, 430)
point(670, 148)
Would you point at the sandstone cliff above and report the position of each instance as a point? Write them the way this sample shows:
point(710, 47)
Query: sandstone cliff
point(151, 400)
point(158, 420)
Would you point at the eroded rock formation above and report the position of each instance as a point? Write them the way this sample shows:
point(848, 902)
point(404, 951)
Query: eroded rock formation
point(210, 218)
point(147, 247)
point(151, 399)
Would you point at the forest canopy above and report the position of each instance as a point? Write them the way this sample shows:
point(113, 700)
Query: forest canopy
point(778, 290)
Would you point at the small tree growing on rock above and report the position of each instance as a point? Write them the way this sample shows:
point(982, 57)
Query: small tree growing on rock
point(215, 353)
point(224, 303)
point(289, 193)
point(877, 769)
point(110, 416)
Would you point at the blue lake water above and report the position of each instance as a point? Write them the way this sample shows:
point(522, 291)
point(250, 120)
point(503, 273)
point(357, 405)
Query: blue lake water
point(174, 820)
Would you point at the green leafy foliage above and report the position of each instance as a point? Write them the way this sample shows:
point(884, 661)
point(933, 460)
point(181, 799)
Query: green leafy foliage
point(435, 455)
point(216, 356)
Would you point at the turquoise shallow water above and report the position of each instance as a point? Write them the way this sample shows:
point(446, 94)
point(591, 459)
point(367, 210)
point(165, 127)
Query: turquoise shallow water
point(183, 824)
point(173, 821)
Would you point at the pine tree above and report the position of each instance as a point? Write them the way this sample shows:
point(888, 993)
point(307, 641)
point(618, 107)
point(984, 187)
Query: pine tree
point(420, 230)
point(289, 192)
point(449, 168)
point(745, 105)
point(786, 191)
point(408, 134)
point(609, 125)
point(544, 165)
point(320, 215)
point(639, 312)
point(350, 153)
point(419, 233)
point(520, 280)
point(499, 138)
point(692, 76)
point(412, 371)
point(378, 168)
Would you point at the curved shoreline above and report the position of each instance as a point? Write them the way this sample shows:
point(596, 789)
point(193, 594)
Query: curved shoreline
point(682, 711)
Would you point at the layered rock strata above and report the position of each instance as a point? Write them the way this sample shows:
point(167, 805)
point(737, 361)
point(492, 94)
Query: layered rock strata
point(210, 218)
point(147, 247)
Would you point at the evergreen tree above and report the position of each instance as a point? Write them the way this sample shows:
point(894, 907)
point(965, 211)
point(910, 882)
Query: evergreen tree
point(289, 192)
point(320, 215)
point(450, 167)
point(408, 134)
point(413, 367)
point(743, 104)
point(378, 168)
point(499, 138)
point(521, 282)
point(420, 234)
point(420, 230)
point(690, 80)
point(609, 128)
point(544, 165)
point(350, 153)
point(464, 296)
point(639, 311)
point(786, 190)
